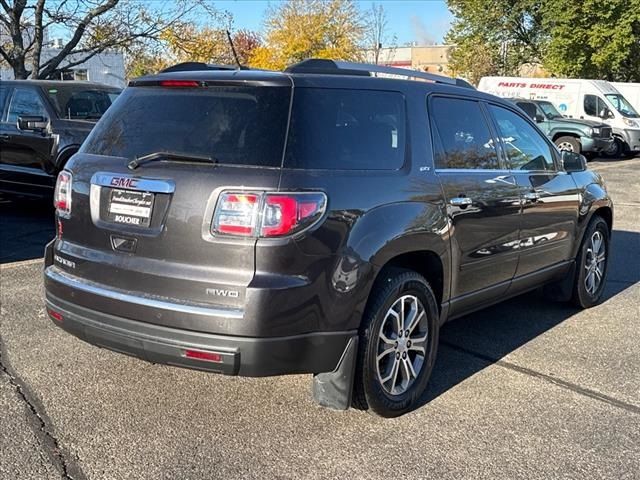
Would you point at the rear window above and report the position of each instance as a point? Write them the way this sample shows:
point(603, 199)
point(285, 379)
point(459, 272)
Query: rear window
point(234, 125)
point(80, 103)
point(346, 130)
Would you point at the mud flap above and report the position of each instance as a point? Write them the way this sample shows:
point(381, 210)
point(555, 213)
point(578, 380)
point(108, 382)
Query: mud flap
point(334, 389)
point(562, 290)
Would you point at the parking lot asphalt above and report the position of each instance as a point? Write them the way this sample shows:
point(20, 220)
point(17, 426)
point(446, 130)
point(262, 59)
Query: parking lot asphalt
point(526, 389)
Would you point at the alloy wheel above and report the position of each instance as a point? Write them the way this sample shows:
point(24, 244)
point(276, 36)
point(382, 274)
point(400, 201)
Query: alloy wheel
point(402, 345)
point(594, 263)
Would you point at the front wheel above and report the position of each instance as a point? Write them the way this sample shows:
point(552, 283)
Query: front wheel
point(568, 144)
point(398, 344)
point(615, 150)
point(591, 264)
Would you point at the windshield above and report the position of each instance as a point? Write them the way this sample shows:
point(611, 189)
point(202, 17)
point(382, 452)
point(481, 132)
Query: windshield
point(234, 125)
point(549, 110)
point(76, 102)
point(621, 105)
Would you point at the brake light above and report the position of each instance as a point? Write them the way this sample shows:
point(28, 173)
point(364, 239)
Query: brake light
point(179, 83)
point(267, 214)
point(62, 194)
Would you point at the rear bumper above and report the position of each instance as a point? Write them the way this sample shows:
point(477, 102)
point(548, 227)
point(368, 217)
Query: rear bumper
point(252, 357)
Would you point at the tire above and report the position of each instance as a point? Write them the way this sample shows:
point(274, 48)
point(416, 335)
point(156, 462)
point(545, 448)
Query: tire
point(400, 393)
point(587, 294)
point(570, 144)
point(616, 150)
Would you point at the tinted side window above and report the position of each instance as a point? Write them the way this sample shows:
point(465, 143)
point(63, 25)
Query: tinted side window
point(464, 135)
point(25, 101)
point(346, 130)
point(525, 147)
point(593, 105)
point(528, 108)
point(4, 96)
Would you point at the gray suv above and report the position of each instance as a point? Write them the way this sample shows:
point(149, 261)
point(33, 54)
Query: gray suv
point(318, 220)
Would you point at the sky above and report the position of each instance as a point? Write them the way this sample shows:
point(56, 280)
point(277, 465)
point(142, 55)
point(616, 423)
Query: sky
point(421, 21)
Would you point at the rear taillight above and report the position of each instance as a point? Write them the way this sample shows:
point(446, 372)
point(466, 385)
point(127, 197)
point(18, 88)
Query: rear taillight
point(267, 214)
point(62, 194)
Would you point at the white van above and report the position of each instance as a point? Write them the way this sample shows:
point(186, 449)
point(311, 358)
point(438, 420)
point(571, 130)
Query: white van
point(577, 98)
point(631, 92)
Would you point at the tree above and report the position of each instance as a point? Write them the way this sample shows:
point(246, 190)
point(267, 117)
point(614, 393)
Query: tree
point(93, 26)
point(376, 35)
point(495, 36)
point(300, 29)
point(186, 42)
point(594, 39)
point(586, 39)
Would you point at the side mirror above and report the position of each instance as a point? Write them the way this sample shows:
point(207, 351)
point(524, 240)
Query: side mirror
point(606, 113)
point(538, 118)
point(33, 123)
point(573, 162)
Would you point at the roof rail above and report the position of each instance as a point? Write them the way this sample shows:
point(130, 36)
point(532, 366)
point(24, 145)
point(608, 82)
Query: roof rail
point(195, 66)
point(338, 67)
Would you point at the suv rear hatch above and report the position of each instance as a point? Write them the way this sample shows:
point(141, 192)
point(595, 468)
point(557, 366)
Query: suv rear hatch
point(143, 231)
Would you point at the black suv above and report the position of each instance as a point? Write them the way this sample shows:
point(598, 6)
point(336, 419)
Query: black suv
point(43, 123)
point(317, 220)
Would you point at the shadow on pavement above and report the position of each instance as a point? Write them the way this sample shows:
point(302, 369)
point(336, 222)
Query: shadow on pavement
point(25, 227)
point(488, 335)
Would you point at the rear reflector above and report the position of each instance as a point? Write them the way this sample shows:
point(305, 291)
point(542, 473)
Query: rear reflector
point(179, 83)
point(205, 356)
point(57, 316)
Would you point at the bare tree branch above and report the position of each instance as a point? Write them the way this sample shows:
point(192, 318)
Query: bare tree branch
point(52, 63)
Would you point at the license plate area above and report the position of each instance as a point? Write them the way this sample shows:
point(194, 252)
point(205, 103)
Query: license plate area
point(130, 207)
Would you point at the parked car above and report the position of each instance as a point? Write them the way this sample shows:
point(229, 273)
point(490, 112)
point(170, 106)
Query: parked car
point(43, 123)
point(317, 220)
point(579, 136)
point(595, 100)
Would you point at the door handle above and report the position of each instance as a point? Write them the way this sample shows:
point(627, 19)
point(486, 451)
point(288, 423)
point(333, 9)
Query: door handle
point(461, 202)
point(4, 137)
point(531, 197)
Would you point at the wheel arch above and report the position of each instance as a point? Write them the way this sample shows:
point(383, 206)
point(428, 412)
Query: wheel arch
point(64, 155)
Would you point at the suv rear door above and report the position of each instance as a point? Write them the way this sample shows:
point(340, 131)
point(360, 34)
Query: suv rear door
point(483, 202)
point(147, 232)
point(550, 197)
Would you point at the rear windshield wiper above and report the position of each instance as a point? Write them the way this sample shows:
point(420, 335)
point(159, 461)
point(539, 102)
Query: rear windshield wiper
point(169, 156)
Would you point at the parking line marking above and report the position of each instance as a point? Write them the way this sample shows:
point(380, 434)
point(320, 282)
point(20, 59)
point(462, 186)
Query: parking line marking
point(548, 378)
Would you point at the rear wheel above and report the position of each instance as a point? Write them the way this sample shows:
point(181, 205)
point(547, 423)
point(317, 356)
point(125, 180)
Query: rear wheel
point(592, 263)
point(398, 344)
point(568, 144)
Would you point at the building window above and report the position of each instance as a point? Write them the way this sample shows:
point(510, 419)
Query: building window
point(80, 74)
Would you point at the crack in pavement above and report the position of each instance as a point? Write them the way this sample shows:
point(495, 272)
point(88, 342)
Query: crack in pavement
point(40, 423)
point(548, 378)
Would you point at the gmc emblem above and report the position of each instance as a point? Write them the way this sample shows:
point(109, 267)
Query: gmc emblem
point(124, 182)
